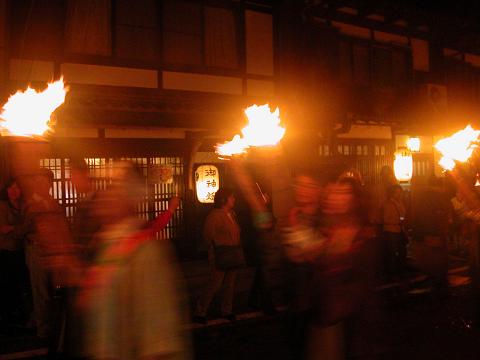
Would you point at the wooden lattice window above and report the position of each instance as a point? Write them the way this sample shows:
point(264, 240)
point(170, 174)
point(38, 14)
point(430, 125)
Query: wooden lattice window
point(156, 193)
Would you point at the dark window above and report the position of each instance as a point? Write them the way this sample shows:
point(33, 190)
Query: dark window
point(361, 64)
point(37, 28)
point(382, 67)
point(88, 27)
point(220, 38)
point(136, 29)
point(400, 63)
point(345, 62)
point(182, 32)
point(199, 35)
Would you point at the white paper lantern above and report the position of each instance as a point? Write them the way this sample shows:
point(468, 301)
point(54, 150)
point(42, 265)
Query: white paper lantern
point(207, 181)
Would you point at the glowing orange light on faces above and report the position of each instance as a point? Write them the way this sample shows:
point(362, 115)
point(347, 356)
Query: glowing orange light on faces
point(28, 113)
point(458, 147)
point(263, 129)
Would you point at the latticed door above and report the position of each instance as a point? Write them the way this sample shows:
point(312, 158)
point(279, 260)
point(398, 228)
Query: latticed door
point(156, 192)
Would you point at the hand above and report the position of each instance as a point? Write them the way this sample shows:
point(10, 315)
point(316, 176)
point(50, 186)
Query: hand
point(174, 203)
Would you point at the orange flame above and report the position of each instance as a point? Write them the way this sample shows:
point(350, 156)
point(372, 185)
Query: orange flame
point(27, 113)
point(458, 147)
point(263, 129)
point(237, 145)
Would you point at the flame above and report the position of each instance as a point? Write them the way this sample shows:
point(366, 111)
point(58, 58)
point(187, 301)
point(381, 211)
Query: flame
point(263, 129)
point(237, 145)
point(458, 147)
point(27, 113)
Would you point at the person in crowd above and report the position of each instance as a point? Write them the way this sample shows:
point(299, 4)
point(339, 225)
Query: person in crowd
point(463, 228)
point(301, 241)
point(264, 239)
point(13, 272)
point(221, 230)
point(433, 218)
point(394, 233)
point(130, 294)
point(343, 267)
point(378, 197)
point(259, 236)
point(48, 250)
point(84, 224)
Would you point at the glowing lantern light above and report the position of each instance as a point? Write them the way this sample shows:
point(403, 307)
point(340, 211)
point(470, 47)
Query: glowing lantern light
point(27, 113)
point(413, 144)
point(263, 129)
point(458, 147)
point(403, 165)
point(207, 183)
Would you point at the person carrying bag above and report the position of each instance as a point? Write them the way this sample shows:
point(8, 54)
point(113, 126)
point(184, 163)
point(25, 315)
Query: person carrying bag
point(222, 234)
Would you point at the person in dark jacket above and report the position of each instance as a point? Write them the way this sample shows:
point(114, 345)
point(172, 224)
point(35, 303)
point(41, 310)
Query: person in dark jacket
point(221, 229)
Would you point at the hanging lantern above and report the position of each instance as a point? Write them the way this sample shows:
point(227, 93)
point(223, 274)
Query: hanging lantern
point(413, 144)
point(207, 183)
point(403, 165)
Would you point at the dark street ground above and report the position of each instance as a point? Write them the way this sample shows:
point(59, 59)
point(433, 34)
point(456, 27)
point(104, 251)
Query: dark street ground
point(402, 322)
point(413, 323)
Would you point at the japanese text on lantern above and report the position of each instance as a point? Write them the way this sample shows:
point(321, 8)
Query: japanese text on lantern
point(207, 183)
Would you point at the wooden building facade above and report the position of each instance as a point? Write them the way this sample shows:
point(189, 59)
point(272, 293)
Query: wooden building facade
point(159, 82)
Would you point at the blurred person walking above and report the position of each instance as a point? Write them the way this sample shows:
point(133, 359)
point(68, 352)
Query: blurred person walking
point(85, 224)
point(225, 256)
point(302, 241)
point(344, 268)
point(131, 293)
point(84, 227)
point(260, 238)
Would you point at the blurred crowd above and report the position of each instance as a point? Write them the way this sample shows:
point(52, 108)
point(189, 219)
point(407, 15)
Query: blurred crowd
point(101, 287)
point(104, 286)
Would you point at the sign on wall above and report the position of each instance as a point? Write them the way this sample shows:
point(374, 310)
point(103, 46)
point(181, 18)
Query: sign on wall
point(207, 182)
point(161, 174)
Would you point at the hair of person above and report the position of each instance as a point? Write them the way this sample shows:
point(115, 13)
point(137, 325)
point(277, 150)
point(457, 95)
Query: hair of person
point(46, 173)
point(359, 194)
point(356, 185)
point(4, 192)
point(221, 197)
point(78, 163)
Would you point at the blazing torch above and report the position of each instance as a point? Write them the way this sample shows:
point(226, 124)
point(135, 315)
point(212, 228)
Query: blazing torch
point(25, 120)
point(263, 131)
point(459, 148)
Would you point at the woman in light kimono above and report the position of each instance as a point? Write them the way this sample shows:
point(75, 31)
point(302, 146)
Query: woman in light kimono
point(130, 295)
